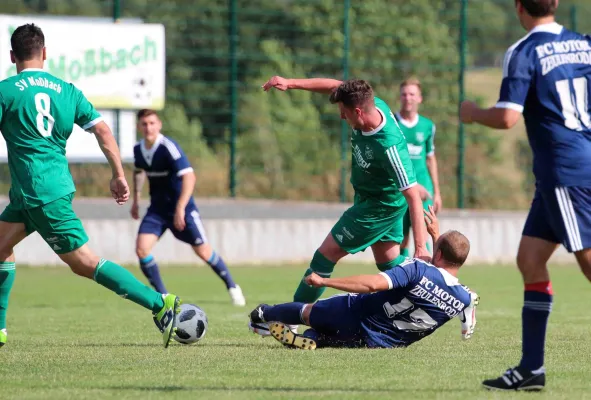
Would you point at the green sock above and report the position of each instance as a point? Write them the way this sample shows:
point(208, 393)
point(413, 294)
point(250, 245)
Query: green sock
point(122, 282)
point(391, 264)
point(7, 272)
point(323, 267)
point(404, 252)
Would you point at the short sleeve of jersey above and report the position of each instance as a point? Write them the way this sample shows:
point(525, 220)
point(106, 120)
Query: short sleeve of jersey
point(86, 116)
point(517, 75)
point(430, 144)
point(399, 166)
point(406, 274)
point(179, 162)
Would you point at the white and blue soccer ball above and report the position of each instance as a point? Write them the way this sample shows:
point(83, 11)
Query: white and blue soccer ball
point(191, 324)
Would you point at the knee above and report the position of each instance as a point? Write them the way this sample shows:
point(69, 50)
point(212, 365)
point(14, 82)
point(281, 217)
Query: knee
point(306, 314)
point(141, 252)
point(532, 268)
point(7, 254)
point(203, 251)
point(84, 267)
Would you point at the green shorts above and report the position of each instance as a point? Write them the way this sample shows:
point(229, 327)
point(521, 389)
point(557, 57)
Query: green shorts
point(56, 222)
point(406, 220)
point(368, 222)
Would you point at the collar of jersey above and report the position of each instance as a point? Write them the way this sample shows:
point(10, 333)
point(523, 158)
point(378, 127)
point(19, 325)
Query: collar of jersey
point(149, 153)
point(32, 70)
point(449, 279)
point(408, 124)
point(552, 27)
point(380, 126)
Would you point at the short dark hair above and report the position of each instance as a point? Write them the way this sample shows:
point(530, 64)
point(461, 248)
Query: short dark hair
point(539, 8)
point(353, 93)
point(454, 247)
point(145, 113)
point(27, 41)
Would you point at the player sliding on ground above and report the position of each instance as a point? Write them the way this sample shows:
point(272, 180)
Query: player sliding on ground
point(172, 182)
point(37, 114)
point(395, 308)
point(547, 77)
point(382, 176)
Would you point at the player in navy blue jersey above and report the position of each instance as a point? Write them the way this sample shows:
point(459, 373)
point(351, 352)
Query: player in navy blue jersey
point(172, 182)
point(547, 78)
point(394, 308)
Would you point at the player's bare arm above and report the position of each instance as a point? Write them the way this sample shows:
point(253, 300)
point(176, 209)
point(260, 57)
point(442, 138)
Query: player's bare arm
point(351, 284)
point(108, 145)
point(432, 223)
point(319, 85)
point(415, 207)
point(494, 117)
point(139, 179)
point(186, 193)
point(434, 173)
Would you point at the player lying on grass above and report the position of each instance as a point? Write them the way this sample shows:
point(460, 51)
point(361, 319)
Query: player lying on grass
point(382, 176)
point(37, 115)
point(394, 308)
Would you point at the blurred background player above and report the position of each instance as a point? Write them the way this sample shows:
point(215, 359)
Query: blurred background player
point(420, 137)
point(382, 176)
point(37, 115)
point(394, 308)
point(172, 181)
point(547, 77)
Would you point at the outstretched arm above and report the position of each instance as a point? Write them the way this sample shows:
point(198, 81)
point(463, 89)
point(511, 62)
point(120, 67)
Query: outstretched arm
point(319, 85)
point(351, 284)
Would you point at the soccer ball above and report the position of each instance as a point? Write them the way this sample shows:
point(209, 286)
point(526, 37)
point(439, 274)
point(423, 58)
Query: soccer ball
point(191, 324)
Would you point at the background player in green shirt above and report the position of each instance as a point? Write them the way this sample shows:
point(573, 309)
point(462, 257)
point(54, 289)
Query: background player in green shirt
point(382, 176)
point(420, 136)
point(37, 115)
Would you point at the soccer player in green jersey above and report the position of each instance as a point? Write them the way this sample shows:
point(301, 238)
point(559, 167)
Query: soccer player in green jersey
point(382, 176)
point(420, 135)
point(37, 114)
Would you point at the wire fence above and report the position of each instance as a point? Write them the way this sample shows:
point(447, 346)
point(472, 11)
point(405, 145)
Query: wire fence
point(292, 145)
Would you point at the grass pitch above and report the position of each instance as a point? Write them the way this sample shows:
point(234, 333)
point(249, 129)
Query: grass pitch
point(71, 339)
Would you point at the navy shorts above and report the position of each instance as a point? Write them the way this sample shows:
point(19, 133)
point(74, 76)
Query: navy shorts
point(157, 223)
point(335, 322)
point(561, 215)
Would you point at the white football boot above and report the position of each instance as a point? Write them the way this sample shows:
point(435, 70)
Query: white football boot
point(237, 296)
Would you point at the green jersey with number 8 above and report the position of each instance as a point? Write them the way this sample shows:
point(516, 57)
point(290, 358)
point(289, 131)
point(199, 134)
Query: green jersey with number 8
point(37, 115)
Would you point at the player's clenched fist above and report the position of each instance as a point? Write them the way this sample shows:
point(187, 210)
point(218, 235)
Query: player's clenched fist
point(276, 82)
point(466, 110)
point(119, 190)
point(314, 280)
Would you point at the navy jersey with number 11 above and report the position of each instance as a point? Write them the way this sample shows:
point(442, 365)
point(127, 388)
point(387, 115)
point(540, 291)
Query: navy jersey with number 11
point(547, 77)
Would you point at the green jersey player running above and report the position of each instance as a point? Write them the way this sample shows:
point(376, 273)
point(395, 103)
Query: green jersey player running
point(37, 115)
point(420, 136)
point(382, 176)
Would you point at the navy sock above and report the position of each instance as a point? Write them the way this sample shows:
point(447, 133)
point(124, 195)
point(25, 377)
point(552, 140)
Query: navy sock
point(219, 266)
point(537, 305)
point(288, 313)
point(150, 269)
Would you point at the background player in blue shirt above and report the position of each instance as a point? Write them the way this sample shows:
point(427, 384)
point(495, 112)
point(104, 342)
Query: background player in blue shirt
point(394, 308)
point(172, 182)
point(547, 77)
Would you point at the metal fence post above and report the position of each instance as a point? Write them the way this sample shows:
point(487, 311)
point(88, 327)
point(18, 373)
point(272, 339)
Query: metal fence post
point(117, 116)
point(573, 18)
point(461, 88)
point(233, 83)
point(344, 127)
